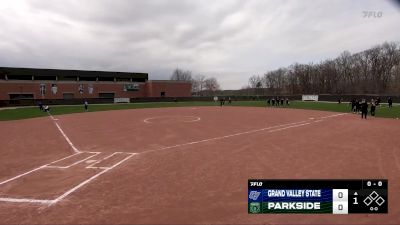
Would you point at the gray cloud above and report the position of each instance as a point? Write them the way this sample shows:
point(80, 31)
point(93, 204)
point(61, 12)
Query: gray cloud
point(228, 39)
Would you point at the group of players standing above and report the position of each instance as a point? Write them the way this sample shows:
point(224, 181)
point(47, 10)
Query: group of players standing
point(358, 106)
point(277, 101)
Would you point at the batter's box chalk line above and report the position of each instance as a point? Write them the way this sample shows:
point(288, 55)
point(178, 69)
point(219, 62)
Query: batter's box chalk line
point(50, 202)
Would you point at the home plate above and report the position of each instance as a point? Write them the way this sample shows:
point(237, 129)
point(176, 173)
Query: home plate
point(90, 161)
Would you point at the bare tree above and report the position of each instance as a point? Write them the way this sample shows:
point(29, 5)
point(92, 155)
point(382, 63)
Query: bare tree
point(198, 83)
point(211, 85)
point(181, 75)
point(374, 71)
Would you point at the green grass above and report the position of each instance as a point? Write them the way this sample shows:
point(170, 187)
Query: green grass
point(31, 112)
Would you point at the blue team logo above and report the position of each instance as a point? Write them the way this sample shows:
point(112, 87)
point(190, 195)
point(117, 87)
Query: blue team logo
point(254, 195)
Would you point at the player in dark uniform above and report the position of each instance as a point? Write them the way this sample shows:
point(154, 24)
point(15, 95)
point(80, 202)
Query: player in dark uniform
point(86, 105)
point(358, 106)
point(268, 101)
point(287, 101)
point(364, 109)
point(373, 106)
point(353, 105)
point(378, 101)
point(273, 101)
point(277, 101)
point(40, 104)
point(282, 100)
point(390, 102)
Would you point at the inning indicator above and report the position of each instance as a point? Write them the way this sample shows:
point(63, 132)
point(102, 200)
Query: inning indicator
point(318, 196)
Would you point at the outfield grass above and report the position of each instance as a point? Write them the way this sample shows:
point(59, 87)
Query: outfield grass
point(31, 112)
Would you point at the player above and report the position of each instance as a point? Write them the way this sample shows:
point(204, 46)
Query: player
point(221, 101)
point(378, 101)
point(353, 105)
point(358, 106)
point(364, 109)
point(373, 106)
point(86, 105)
point(287, 101)
point(268, 101)
point(277, 101)
point(46, 108)
point(40, 104)
point(390, 102)
point(273, 101)
point(229, 100)
point(215, 99)
point(282, 101)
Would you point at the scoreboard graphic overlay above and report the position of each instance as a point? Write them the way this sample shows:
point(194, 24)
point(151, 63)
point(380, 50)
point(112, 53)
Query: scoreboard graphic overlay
point(318, 196)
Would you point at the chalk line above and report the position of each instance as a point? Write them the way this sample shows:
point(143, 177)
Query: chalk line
point(75, 163)
point(26, 200)
point(195, 118)
point(89, 180)
point(284, 128)
point(63, 134)
point(33, 170)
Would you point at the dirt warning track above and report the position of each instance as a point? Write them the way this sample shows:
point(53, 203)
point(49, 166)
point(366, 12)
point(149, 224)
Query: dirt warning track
point(139, 166)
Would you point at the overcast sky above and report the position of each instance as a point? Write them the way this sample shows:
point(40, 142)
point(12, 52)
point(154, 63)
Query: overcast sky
point(228, 39)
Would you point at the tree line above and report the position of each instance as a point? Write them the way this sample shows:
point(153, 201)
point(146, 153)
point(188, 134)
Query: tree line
point(201, 85)
point(373, 71)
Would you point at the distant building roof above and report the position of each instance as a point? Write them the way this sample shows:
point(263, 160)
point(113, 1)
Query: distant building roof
point(61, 72)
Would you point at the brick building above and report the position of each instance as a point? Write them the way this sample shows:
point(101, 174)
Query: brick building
point(28, 83)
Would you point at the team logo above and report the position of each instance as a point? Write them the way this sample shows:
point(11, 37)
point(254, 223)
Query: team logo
point(254, 195)
point(255, 207)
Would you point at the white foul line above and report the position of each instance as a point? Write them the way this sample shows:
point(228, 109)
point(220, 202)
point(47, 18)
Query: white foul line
point(300, 123)
point(64, 135)
point(284, 128)
point(26, 200)
point(334, 115)
point(226, 136)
